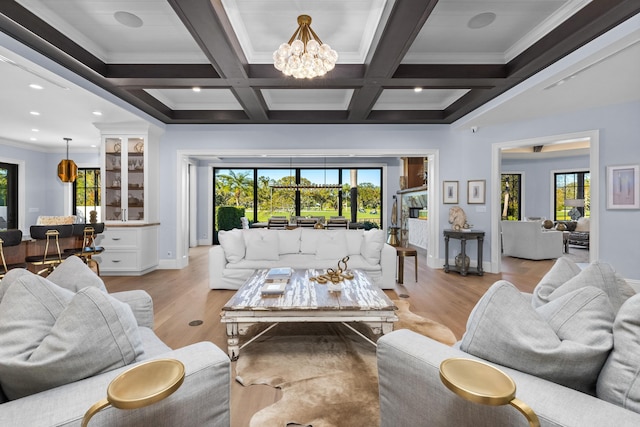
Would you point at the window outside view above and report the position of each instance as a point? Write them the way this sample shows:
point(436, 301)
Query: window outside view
point(274, 192)
point(573, 195)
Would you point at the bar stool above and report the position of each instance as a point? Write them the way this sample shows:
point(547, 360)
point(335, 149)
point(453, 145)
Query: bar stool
point(45, 262)
point(88, 249)
point(9, 238)
point(403, 252)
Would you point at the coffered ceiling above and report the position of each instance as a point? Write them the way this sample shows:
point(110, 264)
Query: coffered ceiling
point(462, 54)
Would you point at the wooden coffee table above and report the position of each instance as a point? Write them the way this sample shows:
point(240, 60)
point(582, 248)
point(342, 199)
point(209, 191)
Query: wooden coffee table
point(306, 301)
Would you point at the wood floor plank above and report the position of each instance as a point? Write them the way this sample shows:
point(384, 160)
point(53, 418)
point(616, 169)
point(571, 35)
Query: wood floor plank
point(183, 296)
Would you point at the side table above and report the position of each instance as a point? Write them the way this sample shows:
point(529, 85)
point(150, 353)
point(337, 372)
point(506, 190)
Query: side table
point(403, 252)
point(463, 236)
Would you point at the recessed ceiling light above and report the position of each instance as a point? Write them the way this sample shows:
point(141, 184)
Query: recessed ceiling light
point(33, 139)
point(35, 130)
point(417, 89)
point(97, 113)
point(481, 20)
point(34, 113)
point(196, 89)
point(35, 86)
point(128, 19)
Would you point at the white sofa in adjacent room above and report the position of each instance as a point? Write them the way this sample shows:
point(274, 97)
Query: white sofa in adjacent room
point(242, 252)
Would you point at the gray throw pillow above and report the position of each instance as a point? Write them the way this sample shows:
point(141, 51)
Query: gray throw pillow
point(51, 336)
point(619, 380)
point(74, 274)
point(11, 276)
point(567, 341)
point(602, 276)
point(562, 271)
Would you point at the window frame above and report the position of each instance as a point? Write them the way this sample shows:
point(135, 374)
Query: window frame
point(582, 190)
point(96, 189)
point(13, 194)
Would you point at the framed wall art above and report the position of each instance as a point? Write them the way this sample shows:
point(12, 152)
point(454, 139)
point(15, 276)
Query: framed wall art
point(476, 191)
point(450, 192)
point(623, 187)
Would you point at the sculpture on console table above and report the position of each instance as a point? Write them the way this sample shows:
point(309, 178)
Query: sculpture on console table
point(458, 219)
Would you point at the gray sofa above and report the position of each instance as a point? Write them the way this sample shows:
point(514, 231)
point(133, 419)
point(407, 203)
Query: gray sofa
point(571, 348)
point(203, 398)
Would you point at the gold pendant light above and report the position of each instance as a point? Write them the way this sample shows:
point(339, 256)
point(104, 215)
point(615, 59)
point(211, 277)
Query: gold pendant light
point(67, 169)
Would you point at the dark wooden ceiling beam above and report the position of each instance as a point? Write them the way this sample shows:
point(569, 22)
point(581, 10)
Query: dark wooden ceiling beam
point(588, 23)
point(161, 71)
point(33, 32)
point(403, 25)
point(591, 21)
point(209, 26)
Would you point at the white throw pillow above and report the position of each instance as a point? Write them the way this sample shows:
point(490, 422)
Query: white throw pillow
point(371, 247)
point(331, 245)
point(354, 241)
point(52, 336)
point(582, 225)
point(232, 243)
point(309, 240)
point(289, 241)
point(261, 245)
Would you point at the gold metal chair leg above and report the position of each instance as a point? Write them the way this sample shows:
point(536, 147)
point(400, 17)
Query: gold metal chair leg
point(4, 262)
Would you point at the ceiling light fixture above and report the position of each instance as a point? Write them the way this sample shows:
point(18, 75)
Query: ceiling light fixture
point(67, 169)
point(196, 89)
point(35, 86)
point(34, 113)
point(97, 113)
point(296, 186)
point(304, 56)
point(417, 89)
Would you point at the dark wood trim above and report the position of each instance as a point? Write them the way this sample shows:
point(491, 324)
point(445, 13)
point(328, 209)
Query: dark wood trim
point(228, 68)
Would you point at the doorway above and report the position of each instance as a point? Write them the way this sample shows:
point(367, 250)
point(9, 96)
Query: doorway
point(497, 154)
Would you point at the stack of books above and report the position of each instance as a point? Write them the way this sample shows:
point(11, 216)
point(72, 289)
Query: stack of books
point(276, 281)
point(278, 275)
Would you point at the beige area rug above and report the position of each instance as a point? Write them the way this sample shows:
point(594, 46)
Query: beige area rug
point(327, 373)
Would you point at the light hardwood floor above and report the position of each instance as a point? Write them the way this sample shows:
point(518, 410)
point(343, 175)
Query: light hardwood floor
point(181, 296)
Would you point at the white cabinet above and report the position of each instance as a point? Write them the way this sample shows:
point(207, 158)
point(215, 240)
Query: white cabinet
point(124, 178)
point(128, 250)
point(129, 175)
point(130, 194)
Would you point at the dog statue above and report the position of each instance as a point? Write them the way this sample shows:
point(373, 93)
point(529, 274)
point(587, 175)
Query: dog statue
point(457, 218)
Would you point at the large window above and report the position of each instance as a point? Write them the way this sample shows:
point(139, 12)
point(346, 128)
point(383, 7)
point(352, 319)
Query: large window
point(8, 196)
point(573, 195)
point(511, 196)
point(86, 194)
point(267, 192)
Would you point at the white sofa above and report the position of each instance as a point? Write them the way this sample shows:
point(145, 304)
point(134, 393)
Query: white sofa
point(528, 240)
point(242, 252)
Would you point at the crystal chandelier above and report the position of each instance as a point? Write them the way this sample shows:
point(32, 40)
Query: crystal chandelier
point(305, 56)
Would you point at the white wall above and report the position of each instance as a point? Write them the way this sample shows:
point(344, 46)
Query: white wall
point(463, 156)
